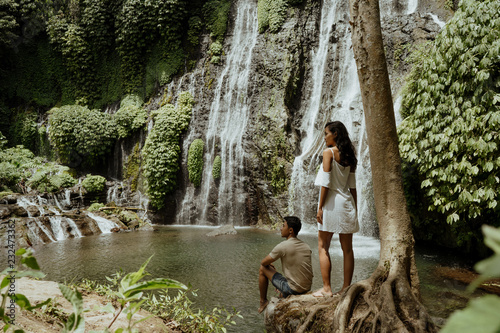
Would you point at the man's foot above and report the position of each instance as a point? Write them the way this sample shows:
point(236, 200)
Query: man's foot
point(263, 305)
point(322, 293)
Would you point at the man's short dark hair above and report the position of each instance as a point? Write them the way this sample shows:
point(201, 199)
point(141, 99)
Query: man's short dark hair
point(294, 223)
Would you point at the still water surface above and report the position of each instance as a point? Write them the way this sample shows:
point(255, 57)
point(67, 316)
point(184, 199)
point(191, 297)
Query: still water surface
point(224, 269)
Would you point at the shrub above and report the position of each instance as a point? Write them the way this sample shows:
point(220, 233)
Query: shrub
point(216, 167)
point(216, 14)
point(449, 136)
point(215, 51)
point(15, 164)
point(161, 150)
point(271, 14)
point(450, 131)
point(95, 206)
point(94, 184)
point(130, 117)
point(51, 177)
point(76, 129)
point(195, 161)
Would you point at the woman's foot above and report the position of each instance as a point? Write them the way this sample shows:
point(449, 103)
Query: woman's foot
point(263, 305)
point(340, 292)
point(322, 293)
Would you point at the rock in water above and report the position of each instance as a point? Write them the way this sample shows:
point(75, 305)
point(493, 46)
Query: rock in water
point(223, 230)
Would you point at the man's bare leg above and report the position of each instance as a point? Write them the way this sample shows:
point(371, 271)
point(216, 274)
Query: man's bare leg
point(324, 240)
point(266, 273)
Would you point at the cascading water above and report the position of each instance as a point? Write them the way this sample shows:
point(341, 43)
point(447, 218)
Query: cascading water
point(412, 7)
point(104, 224)
point(46, 223)
point(343, 104)
point(228, 117)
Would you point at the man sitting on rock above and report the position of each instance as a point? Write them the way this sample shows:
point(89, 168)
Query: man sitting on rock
point(296, 262)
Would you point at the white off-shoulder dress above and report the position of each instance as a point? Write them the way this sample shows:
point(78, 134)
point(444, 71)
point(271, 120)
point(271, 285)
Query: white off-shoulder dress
point(339, 209)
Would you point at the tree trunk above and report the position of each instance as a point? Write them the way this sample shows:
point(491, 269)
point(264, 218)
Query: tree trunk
point(388, 301)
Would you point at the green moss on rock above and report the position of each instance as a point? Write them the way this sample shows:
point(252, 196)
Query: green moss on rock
point(195, 161)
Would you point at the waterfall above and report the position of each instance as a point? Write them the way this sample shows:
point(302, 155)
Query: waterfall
point(104, 224)
point(344, 104)
point(228, 117)
point(412, 7)
point(436, 19)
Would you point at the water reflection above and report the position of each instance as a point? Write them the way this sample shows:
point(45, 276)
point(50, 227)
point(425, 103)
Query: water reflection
point(224, 269)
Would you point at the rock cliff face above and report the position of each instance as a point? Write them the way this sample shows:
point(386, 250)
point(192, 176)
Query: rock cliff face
point(263, 107)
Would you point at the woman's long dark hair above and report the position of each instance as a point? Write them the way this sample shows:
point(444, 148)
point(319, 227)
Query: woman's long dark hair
point(344, 144)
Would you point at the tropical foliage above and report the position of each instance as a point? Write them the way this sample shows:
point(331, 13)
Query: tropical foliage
point(272, 13)
point(195, 161)
point(91, 52)
point(161, 150)
point(449, 138)
point(216, 168)
point(93, 183)
point(130, 116)
point(481, 314)
point(75, 130)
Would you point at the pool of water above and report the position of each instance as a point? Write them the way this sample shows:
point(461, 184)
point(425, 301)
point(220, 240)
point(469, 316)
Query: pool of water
point(224, 269)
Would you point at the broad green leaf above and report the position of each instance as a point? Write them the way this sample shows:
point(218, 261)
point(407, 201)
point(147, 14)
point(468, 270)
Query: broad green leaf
point(155, 284)
point(22, 301)
point(481, 315)
point(132, 278)
point(74, 297)
point(31, 263)
point(5, 282)
point(34, 274)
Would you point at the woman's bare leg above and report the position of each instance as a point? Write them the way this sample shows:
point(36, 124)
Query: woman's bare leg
point(324, 240)
point(346, 243)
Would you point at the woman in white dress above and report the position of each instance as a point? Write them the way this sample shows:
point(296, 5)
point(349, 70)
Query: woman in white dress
point(337, 203)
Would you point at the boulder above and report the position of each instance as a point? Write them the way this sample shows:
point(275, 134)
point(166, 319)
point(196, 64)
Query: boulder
point(227, 229)
point(4, 212)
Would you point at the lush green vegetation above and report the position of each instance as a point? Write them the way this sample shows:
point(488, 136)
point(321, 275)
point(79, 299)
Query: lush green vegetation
point(481, 314)
point(216, 168)
point(130, 116)
point(449, 138)
point(76, 131)
point(161, 150)
point(92, 52)
point(20, 169)
point(51, 177)
point(94, 184)
point(195, 161)
point(272, 13)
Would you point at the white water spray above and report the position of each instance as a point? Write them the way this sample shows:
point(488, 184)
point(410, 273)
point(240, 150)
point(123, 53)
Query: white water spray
point(228, 119)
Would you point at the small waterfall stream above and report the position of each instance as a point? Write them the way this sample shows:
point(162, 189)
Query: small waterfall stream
point(344, 105)
point(228, 117)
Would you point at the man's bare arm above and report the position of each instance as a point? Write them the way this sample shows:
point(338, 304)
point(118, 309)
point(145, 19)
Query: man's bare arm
point(267, 260)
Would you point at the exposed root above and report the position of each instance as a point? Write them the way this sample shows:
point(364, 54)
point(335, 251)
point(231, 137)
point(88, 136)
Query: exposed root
point(310, 317)
point(394, 308)
point(383, 303)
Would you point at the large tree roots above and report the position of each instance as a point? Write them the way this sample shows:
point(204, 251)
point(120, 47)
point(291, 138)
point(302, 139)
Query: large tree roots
point(383, 303)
